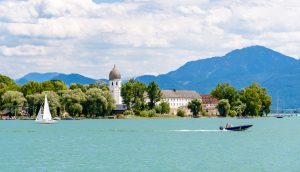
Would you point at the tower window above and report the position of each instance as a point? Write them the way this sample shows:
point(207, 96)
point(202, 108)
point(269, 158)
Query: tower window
point(112, 83)
point(116, 83)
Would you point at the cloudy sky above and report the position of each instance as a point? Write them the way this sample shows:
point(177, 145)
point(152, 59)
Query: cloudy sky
point(139, 36)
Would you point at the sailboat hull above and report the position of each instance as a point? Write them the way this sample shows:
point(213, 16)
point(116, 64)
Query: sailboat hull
point(45, 121)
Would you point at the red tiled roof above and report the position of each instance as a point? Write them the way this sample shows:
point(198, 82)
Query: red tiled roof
point(208, 99)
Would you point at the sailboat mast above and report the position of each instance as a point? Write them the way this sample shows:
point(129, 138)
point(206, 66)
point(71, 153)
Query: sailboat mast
point(277, 105)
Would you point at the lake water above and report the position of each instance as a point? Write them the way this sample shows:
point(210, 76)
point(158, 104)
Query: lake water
point(150, 145)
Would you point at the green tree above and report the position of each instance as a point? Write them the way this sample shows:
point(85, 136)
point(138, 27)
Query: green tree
point(154, 94)
point(34, 101)
point(138, 95)
point(127, 93)
point(99, 84)
point(76, 109)
point(31, 87)
point(13, 101)
point(111, 104)
point(257, 100)
point(265, 99)
point(223, 107)
point(253, 104)
point(72, 100)
point(225, 91)
point(6, 84)
point(165, 107)
point(195, 107)
point(78, 86)
point(97, 103)
point(239, 107)
point(53, 85)
point(132, 93)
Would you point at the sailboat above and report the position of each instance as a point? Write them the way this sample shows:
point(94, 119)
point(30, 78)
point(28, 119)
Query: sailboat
point(45, 117)
point(278, 115)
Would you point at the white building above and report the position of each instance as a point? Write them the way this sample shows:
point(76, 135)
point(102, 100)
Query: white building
point(115, 85)
point(179, 98)
point(209, 104)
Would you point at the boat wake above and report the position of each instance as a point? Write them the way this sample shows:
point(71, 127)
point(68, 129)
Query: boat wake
point(195, 130)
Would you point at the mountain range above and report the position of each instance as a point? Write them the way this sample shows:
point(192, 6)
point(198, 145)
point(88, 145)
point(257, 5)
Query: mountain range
point(66, 78)
point(279, 73)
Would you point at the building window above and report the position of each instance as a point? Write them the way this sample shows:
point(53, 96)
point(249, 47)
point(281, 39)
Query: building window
point(116, 83)
point(112, 83)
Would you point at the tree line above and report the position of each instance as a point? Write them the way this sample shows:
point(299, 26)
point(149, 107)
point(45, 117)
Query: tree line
point(95, 100)
point(250, 101)
point(91, 100)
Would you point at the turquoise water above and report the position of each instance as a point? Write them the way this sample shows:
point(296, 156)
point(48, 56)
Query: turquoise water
point(150, 145)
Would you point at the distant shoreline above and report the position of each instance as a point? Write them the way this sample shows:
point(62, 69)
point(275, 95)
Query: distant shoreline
point(139, 117)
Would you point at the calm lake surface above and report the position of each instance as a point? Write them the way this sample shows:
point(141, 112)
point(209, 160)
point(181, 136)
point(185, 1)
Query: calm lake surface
point(150, 145)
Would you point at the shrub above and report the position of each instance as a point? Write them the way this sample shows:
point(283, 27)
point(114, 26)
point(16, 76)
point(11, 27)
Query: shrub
point(120, 116)
point(128, 112)
point(151, 113)
point(158, 109)
point(144, 113)
point(136, 112)
point(180, 112)
point(232, 113)
point(148, 113)
point(204, 113)
point(165, 107)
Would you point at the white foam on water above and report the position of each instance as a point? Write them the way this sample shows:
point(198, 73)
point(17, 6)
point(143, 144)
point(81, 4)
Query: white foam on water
point(196, 130)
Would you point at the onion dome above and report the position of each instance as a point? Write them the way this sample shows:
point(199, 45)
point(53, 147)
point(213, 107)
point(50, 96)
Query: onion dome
point(114, 74)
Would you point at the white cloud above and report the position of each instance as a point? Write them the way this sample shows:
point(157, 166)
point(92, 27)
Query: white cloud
point(87, 37)
point(192, 9)
point(24, 50)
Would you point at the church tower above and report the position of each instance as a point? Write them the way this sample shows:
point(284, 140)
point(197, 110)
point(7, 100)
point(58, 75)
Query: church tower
point(115, 84)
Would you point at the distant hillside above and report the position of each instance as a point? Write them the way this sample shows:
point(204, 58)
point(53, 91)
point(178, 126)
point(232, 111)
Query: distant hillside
point(66, 78)
point(280, 74)
point(38, 77)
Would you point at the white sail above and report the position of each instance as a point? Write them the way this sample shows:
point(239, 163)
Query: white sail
point(46, 114)
point(39, 117)
point(45, 117)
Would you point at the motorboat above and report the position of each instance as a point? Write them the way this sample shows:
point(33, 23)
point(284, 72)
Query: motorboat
point(235, 128)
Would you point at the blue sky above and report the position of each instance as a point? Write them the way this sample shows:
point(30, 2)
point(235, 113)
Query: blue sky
point(139, 36)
